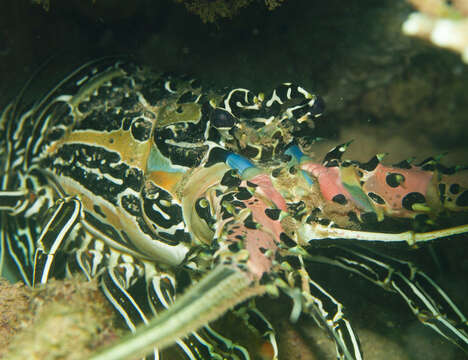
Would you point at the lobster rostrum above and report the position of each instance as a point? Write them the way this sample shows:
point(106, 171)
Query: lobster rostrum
point(210, 198)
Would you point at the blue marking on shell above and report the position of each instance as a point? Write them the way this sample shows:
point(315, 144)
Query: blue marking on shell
point(295, 152)
point(239, 163)
point(157, 162)
point(298, 156)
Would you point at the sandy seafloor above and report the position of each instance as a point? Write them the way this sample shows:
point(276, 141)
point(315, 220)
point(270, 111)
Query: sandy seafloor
point(387, 92)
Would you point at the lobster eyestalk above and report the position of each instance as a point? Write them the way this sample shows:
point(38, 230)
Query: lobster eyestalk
point(223, 288)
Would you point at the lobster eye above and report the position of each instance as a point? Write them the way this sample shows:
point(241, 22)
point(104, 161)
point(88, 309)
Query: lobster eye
point(222, 119)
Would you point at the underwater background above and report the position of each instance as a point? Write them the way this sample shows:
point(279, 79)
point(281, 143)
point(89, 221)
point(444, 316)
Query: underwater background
point(389, 92)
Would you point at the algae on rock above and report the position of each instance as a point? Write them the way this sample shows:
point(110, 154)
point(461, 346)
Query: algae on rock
point(65, 320)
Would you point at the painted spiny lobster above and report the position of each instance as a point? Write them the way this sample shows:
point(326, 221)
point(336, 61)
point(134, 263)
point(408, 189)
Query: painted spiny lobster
point(125, 175)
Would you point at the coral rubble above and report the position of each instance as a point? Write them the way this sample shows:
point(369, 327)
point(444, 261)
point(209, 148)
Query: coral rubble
point(66, 320)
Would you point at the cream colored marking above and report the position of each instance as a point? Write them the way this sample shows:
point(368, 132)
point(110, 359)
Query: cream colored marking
point(121, 220)
point(198, 183)
point(133, 153)
point(274, 98)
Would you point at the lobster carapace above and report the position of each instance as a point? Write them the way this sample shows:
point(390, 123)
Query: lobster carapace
point(125, 175)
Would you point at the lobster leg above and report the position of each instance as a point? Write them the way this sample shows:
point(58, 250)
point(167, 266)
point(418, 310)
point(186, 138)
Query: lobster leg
point(115, 290)
point(12, 200)
point(431, 305)
point(17, 243)
point(89, 259)
point(207, 343)
point(115, 282)
point(327, 312)
point(255, 320)
point(62, 221)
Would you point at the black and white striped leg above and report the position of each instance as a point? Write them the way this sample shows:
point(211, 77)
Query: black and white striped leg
point(90, 258)
point(115, 281)
point(17, 244)
point(66, 214)
point(257, 322)
point(226, 346)
point(328, 313)
point(13, 200)
point(203, 344)
point(315, 301)
point(432, 306)
point(16, 241)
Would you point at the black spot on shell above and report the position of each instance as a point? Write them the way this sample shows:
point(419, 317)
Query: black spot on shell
point(265, 279)
point(234, 247)
point(238, 204)
point(141, 129)
point(55, 134)
point(371, 164)
point(340, 199)
point(369, 217)
point(222, 119)
point(324, 222)
point(243, 194)
point(394, 179)
point(187, 97)
point(84, 107)
point(403, 165)
point(353, 217)
point(203, 210)
point(250, 152)
point(411, 199)
point(376, 198)
point(131, 204)
point(276, 172)
point(292, 170)
point(249, 223)
point(285, 239)
point(286, 157)
point(462, 200)
point(273, 213)
point(216, 155)
point(230, 179)
point(98, 210)
point(455, 188)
